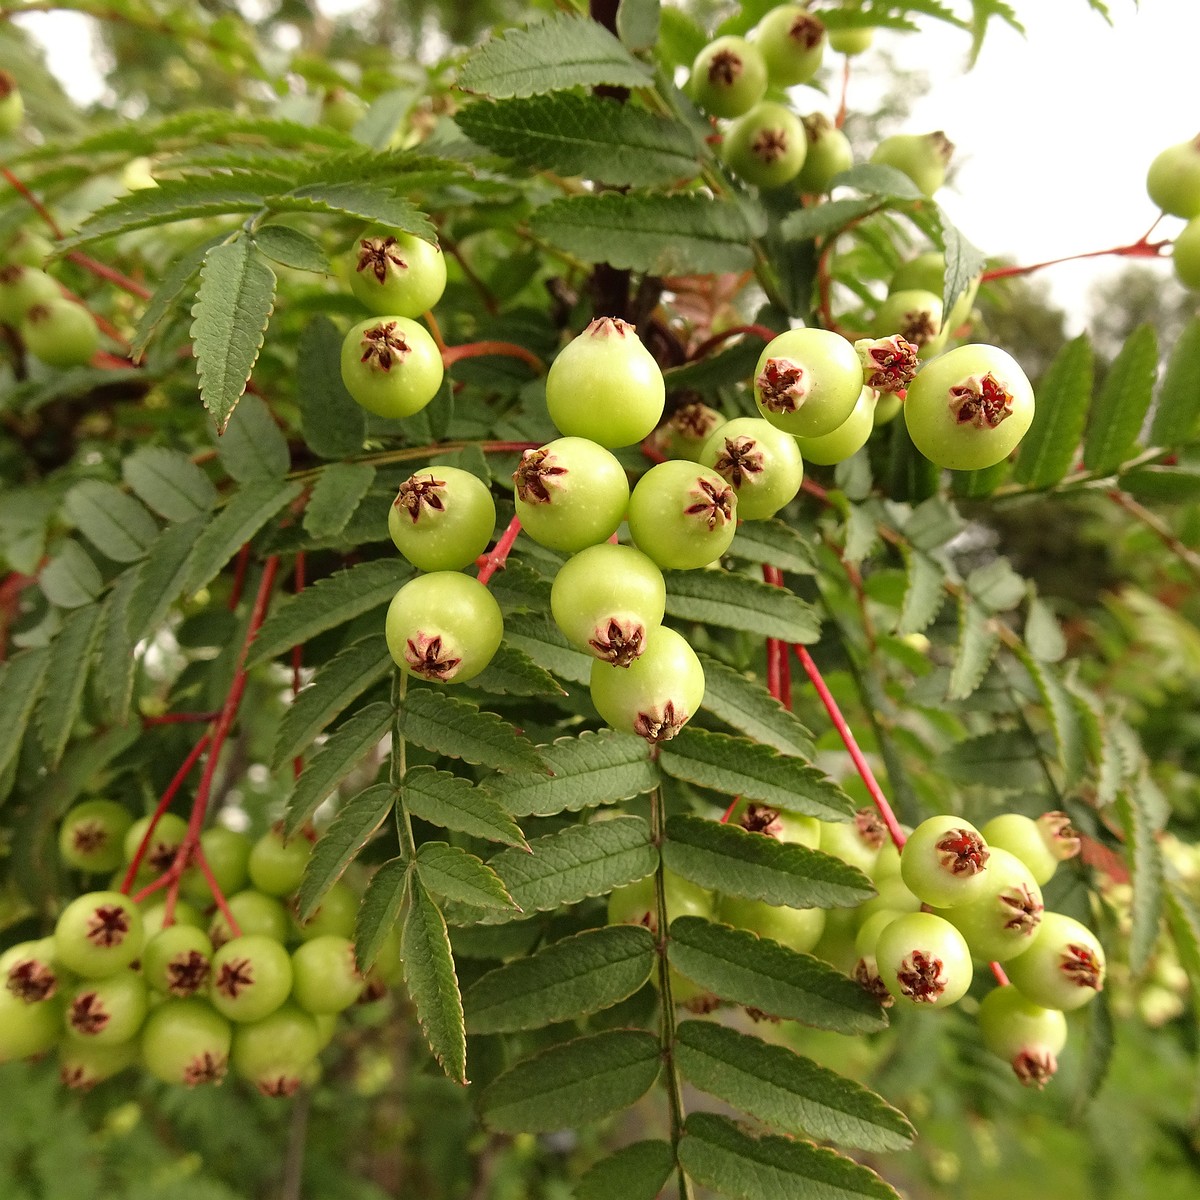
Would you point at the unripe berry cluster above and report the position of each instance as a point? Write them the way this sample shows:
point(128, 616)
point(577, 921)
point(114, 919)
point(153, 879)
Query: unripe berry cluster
point(121, 983)
point(1173, 182)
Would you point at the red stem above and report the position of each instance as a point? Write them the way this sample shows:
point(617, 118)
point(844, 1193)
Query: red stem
point(163, 804)
point(848, 740)
point(178, 718)
point(239, 577)
point(1139, 249)
point(453, 354)
point(496, 559)
point(840, 119)
point(103, 271)
point(37, 206)
point(198, 857)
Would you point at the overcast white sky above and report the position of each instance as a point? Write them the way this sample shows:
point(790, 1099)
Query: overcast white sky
point(1054, 131)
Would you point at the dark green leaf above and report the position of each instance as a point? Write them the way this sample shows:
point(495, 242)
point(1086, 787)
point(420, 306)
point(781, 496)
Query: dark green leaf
point(740, 767)
point(977, 645)
point(773, 542)
point(876, 179)
point(340, 844)
point(567, 979)
point(1003, 760)
point(432, 983)
point(335, 600)
point(1120, 408)
point(446, 725)
point(822, 220)
point(590, 769)
point(740, 966)
point(1177, 412)
point(1048, 450)
point(635, 1172)
point(335, 496)
point(345, 749)
point(923, 595)
point(573, 1083)
point(455, 803)
point(747, 706)
point(233, 305)
point(252, 447)
point(716, 1153)
point(736, 602)
point(734, 861)
point(783, 1089)
point(380, 909)
point(169, 482)
point(680, 234)
point(513, 673)
point(175, 284)
point(1145, 860)
point(70, 661)
point(596, 138)
point(71, 579)
point(561, 52)
point(332, 424)
point(21, 679)
point(538, 637)
point(451, 872)
point(292, 248)
point(114, 522)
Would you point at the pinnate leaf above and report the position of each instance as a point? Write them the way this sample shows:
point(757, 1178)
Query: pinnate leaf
point(1120, 408)
point(432, 982)
point(786, 1090)
point(550, 56)
point(564, 980)
point(456, 803)
point(1003, 759)
point(596, 138)
point(760, 973)
point(1146, 870)
point(331, 601)
point(923, 594)
point(345, 749)
point(252, 447)
point(21, 679)
point(737, 602)
point(332, 424)
point(452, 872)
point(573, 1083)
point(773, 541)
point(718, 1154)
point(337, 847)
point(71, 579)
point(169, 482)
point(335, 496)
point(590, 769)
point(70, 661)
point(740, 767)
point(977, 645)
point(1048, 450)
point(457, 728)
point(680, 234)
point(749, 708)
point(734, 861)
point(233, 304)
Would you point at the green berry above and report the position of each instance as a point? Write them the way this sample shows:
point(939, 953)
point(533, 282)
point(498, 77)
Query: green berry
point(777, 823)
point(12, 105)
point(634, 904)
point(275, 1052)
point(606, 598)
point(82, 1065)
point(728, 77)
point(27, 248)
point(1173, 180)
point(60, 333)
point(27, 1029)
point(31, 971)
point(325, 978)
point(391, 366)
point(1027, 1036)
point(164, 843)
point(186, 1041)
point(251, 977)
point(177, 961)
point(443, 627)
point(1041, 845)
point(254, 912)
point(1064, 968)
point(923, 960)
point(91, 836)
point(442, 518)
point(829, 154)
point(109, 1010)
point(226, 851)
point(1185, 255)
point(847, 439)
point(570, 493)
point(923, 157)
point(851, 41)
point(605, 386)
point(657, 694)
point(807, 381)
point(1002, 922)
point(335, 915)
point(686, 430)
point(760, 462)
point(276, 864)
point(944, 862)
point(23, 287)
point(98, 934)
point(797, 928)
point(857, 841)
point(792, 42)
point(914, 314)
point(682, 515)
point(969, 408)
point(766, 147)
point(397, 273)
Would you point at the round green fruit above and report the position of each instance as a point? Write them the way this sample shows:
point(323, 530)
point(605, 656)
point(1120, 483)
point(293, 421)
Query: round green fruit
point(27, 1029)
point(251, 977)
point(857, 841)
point(760, 462)
point(186, 1041)
point(98, 934)
point(728, 77)
point(923, 157)
point(109, 1010)
point(254, 912)
point(606, 598)
point(944, 862)
point(635, 903)
point(276, 864)
point(1064, 968)
point(60, 333)
point(914, 314)
point(1001, 923)
point(164, 843)
point(807, 381)
point(969, 408)
point(923, 960)
point(847, 439)
point(1173, 179)
point(829, 153)
point(335, 915)
point(31, 970)
point(325, 977)
point(12, 105)
point(1185, 255)
point(797, 928)
point(443, 627)
point(605, 386)
point(570, 493)
point(1027, 1036)
point(442, 518)
point(686, 430)
point(777, 823)
point(766, 147)
point(274, 1053)
point(391, 366)
point(851, 41)
point(226, 851)
point(82, 1065)
point(682, 515)
point(177, 961)
point(657, 694)
point(91, 836)
point(396, 273)
point(1040, 844)
point(792, 42)
point(23, 287)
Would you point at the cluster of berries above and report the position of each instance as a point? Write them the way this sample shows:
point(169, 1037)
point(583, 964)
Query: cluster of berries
point(953, 896)
point(184, 993)
point(55, 329)
point(1173, 182)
